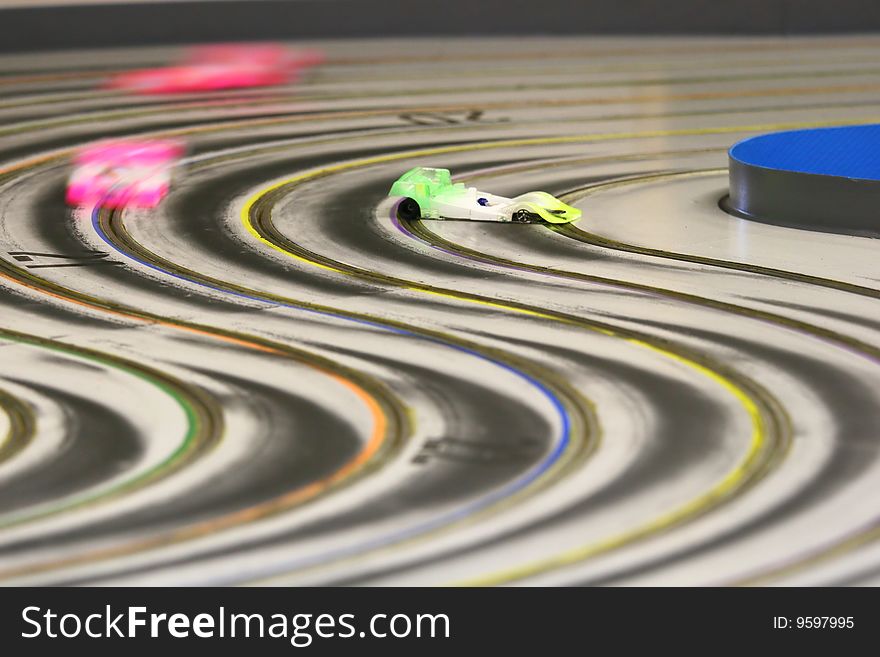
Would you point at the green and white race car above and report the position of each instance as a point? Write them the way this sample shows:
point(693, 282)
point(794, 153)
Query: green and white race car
point(430, 194)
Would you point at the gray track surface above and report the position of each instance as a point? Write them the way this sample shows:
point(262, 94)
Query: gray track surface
point(269, 379)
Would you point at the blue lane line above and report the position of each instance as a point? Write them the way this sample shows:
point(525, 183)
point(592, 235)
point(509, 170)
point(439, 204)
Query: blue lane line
point(562, 441)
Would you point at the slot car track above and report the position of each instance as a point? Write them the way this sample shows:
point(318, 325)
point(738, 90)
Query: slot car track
point(271, 379)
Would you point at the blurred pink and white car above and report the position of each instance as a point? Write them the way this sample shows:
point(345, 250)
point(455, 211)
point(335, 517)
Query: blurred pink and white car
point(217, 67)
point(125, 173)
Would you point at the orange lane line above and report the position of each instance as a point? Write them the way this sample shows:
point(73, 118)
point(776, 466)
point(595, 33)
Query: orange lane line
point(295, 497)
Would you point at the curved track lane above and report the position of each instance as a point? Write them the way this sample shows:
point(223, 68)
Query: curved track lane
point(657, 394)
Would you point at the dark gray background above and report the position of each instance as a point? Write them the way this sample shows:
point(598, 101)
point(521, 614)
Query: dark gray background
point(114, 24)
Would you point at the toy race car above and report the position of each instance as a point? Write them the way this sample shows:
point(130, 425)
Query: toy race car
point(214, 68)
point(431, 194)
point(123, 173)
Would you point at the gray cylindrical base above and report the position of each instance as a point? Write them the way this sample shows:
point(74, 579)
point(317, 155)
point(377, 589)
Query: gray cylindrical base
point(804, 200)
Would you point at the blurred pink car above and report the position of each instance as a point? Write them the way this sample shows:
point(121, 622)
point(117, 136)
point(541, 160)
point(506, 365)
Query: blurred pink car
point(126, 173)
point(212, 68)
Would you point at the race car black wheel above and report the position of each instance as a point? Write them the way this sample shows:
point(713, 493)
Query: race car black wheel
point(523, 217)
point(408, 210)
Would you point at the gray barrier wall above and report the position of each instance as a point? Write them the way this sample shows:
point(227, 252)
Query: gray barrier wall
point(162, 22)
